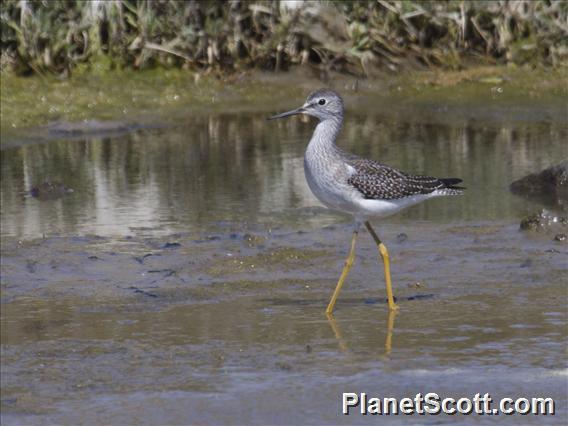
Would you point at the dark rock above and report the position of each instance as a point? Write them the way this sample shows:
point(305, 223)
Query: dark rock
point(543, 221)
point(401, 238)
point(418, 297)
point(533, 222)
point(143, 292)
point(560, 237)
point(166, 272)
point(141, 259)
point(550, 186)
point(171, 245)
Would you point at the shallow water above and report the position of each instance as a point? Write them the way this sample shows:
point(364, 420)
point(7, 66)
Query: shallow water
point(184, 279)
point(243, 168)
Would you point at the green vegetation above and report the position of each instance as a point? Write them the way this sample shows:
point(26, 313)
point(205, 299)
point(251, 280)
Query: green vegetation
point(358, 37)
point(166, 96)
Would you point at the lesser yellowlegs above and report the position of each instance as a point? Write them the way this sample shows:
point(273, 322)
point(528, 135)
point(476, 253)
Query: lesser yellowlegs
point(364, 188)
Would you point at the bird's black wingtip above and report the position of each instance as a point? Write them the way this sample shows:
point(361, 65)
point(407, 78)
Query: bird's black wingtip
point(451, 183)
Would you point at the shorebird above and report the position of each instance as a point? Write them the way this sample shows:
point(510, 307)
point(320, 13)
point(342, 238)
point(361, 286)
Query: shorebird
point(364, 188)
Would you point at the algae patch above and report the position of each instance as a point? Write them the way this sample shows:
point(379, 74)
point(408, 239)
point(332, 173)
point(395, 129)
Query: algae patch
point(279, 259)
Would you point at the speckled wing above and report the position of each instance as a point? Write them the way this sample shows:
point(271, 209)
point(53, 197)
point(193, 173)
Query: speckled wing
point(379, 182)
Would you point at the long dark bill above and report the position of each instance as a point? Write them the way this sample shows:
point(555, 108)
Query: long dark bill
point(288, 114)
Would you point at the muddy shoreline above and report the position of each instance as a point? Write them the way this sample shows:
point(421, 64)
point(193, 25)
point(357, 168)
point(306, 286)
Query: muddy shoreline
point(202, 318)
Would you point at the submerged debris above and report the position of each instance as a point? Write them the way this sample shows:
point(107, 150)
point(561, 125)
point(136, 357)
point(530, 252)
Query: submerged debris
point(141, 259)
point(50, 191)
point(543, 221)
point(143, 292)
point(89, 127)
point(169, 245)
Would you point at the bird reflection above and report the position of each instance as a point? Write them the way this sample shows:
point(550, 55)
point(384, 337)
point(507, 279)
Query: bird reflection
point(342, 343)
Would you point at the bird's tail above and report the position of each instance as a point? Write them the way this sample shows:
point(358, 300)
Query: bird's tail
point(450, 186)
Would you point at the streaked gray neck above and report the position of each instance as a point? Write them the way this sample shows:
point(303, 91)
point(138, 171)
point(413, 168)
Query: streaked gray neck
point(325, 134)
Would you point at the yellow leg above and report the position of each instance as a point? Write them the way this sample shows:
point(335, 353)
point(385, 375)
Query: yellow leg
point(390, 328)
point(346, 269)
point(385, 255)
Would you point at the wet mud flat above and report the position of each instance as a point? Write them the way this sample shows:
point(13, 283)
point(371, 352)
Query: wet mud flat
point(184, 271)
point(228, 326)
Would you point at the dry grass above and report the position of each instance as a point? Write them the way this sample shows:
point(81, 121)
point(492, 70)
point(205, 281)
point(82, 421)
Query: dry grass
point(215, 36)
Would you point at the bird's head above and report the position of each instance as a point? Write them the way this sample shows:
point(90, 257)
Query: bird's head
point(323, 104)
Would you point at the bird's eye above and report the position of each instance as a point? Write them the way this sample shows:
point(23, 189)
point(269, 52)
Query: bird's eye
point(321, 102)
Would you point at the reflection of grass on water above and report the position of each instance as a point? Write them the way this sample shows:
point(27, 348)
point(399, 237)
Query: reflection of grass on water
point(353, 37)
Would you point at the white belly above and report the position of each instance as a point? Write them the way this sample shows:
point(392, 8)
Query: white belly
point(384, 208)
